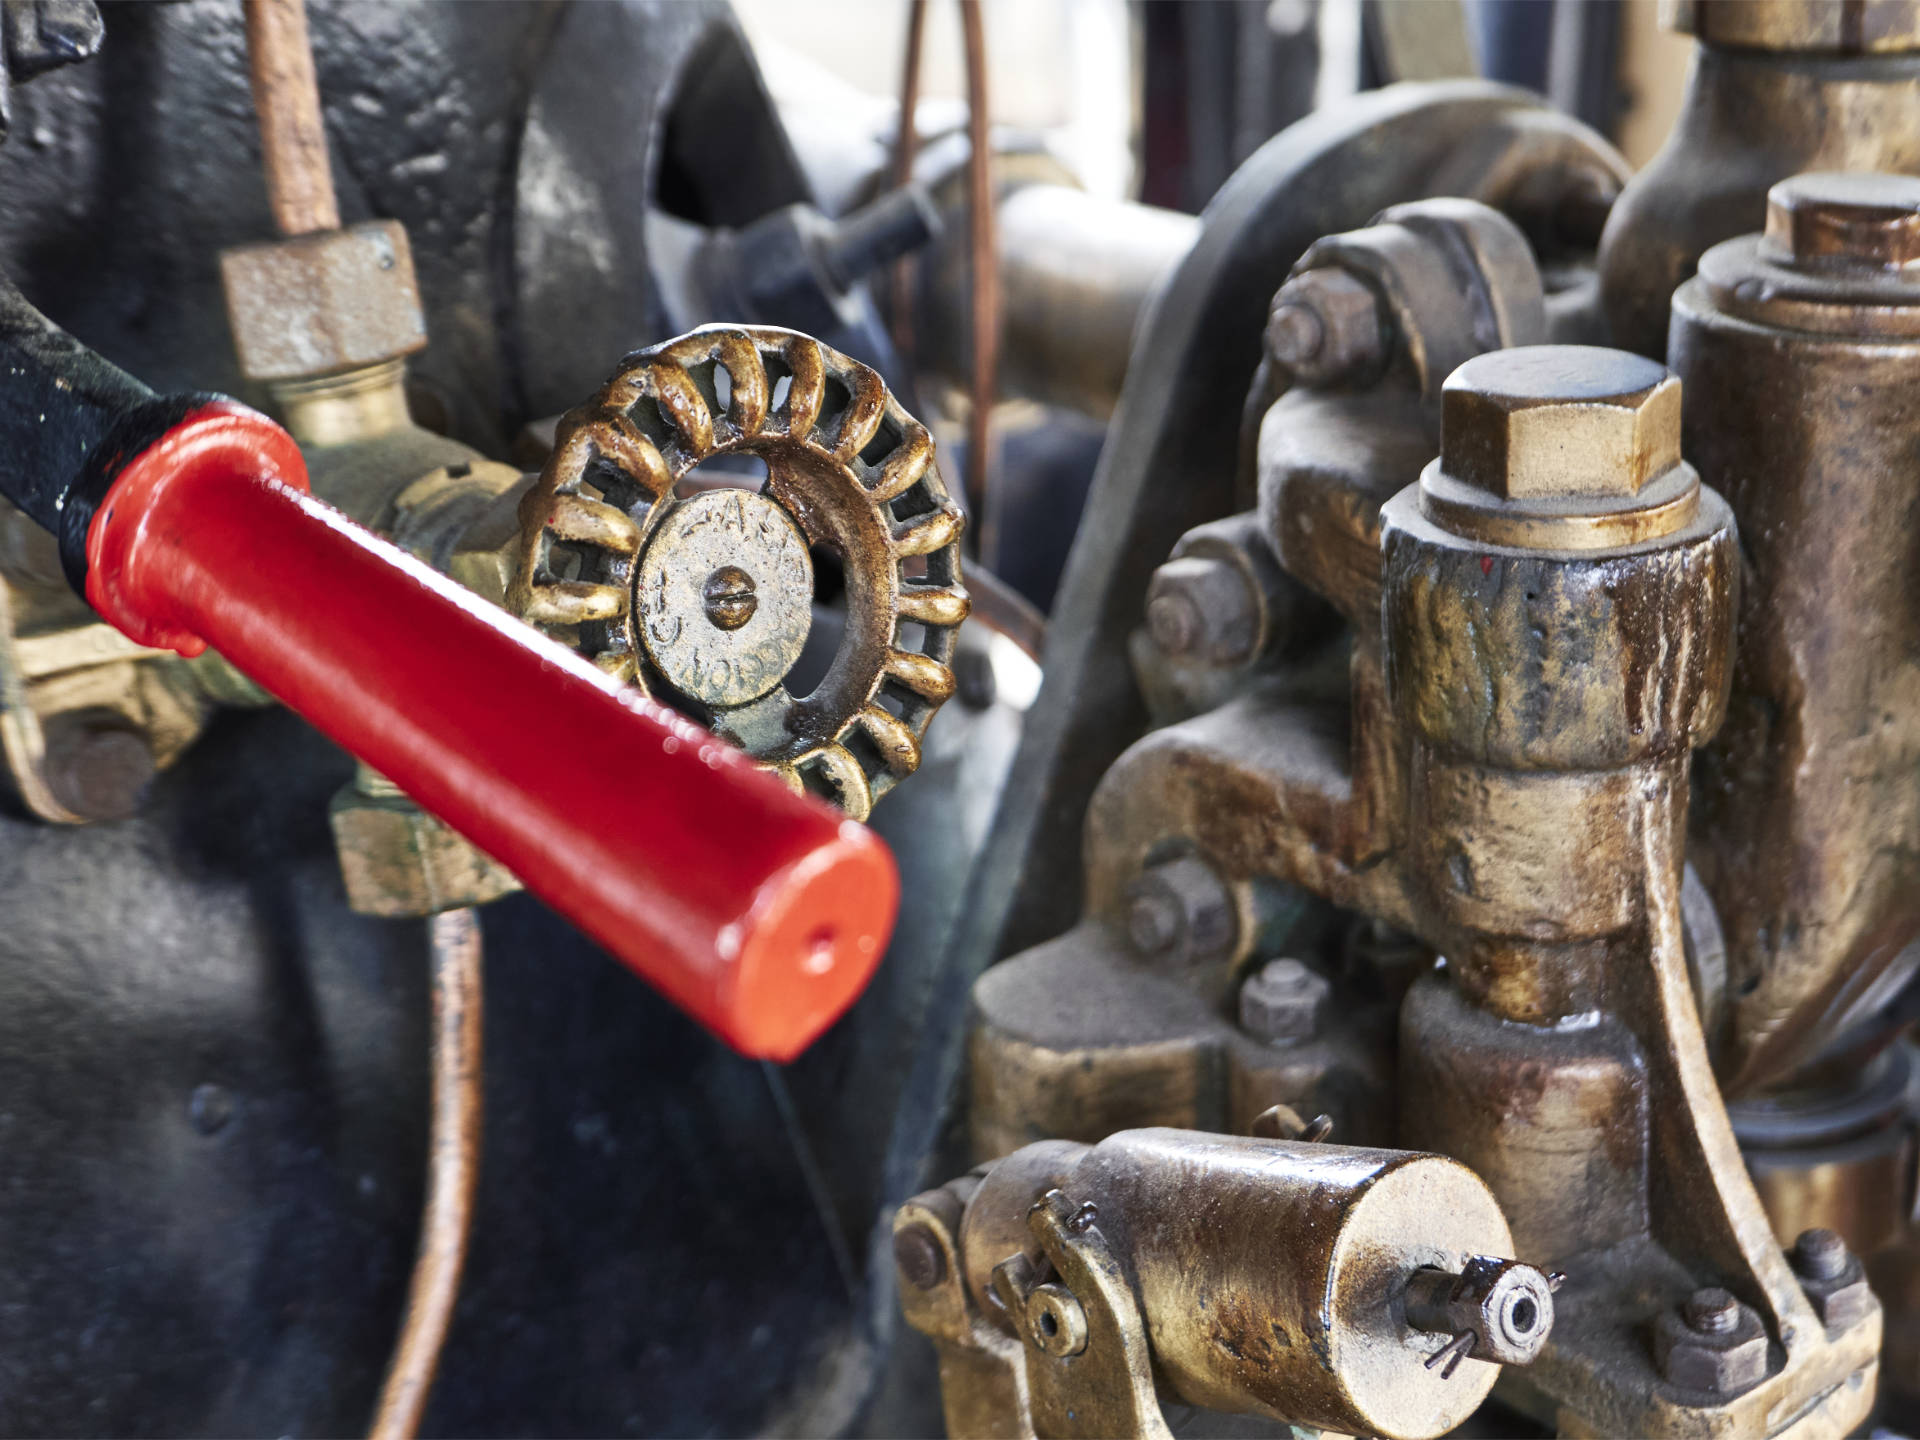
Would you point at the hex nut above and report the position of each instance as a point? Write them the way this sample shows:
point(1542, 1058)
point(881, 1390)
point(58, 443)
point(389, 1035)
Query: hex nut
point(397, 860)
point(1721, 1362)
point(1833, 1278)
point(315, 304)
point(1325, 327)
point(1284, 1002)
point(1834, 219)
point(1203, 608)
point(1559, 421)
point(1180, 911)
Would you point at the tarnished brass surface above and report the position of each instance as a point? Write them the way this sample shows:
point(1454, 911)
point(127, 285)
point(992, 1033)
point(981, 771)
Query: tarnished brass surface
point(1807, 830)
point(1258, 1276)
point(1510, 784)
point(398, 861)
point(1861, 27)
point(1778, 87)
point(607, 546)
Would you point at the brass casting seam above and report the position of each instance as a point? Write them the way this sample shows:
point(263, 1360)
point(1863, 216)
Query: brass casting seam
point(906, 143)
point(986, 279)
point(293, 137)
point(452, 1174)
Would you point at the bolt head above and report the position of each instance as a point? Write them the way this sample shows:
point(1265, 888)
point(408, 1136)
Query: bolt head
point(1720, 1362)
point(1204, 608)
point(1295, 333)
point(1180, 911)
point(730, 597)
point(1834, 219)
point(1325, 328)
point(1559, 421)
point(1284, 1002)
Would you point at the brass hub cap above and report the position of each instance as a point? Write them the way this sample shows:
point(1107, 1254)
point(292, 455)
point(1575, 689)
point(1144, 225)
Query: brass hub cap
point(724, 595)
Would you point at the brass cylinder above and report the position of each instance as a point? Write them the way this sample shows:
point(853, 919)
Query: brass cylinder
point(1778, 86)
point(1557, 607)
point(1553, 1119)
point(1271, 1275)
point(1800, 352)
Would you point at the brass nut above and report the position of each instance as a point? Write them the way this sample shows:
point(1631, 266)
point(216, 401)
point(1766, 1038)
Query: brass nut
point(1325, 327)
point(1204, 609)
point(315, 304)
point(1712, 1343)
point(397, 860)
point(1284, 1002)
point(1834, 1279)
point(1844, 220)
point(1559, 421)
point(1179, 911)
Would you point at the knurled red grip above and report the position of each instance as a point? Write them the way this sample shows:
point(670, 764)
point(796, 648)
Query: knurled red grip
point(762, 913)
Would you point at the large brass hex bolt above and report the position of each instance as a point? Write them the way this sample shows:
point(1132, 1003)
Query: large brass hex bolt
point(1560, 421)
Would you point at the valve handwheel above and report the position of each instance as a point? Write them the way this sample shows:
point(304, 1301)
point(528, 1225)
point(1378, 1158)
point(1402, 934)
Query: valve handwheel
point(706, 600)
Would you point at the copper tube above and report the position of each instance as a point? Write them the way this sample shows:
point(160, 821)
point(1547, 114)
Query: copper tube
point(906, 143)
point(286, 97)
point(452, 1174)
point(986, 278)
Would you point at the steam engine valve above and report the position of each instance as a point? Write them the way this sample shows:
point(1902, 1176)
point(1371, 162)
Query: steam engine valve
point(704, 597)
point(1070, 1288)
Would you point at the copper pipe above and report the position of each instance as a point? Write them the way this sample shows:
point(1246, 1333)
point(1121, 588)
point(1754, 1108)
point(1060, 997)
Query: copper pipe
point(986, 279)
point(286, 97)
point(906, 142)
point(452, 1173)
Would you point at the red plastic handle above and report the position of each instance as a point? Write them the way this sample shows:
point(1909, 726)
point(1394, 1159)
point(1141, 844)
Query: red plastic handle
point(760, 912)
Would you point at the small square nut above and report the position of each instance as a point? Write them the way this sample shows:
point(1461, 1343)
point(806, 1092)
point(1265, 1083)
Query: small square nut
point(1843, 1301)
point(1557, 421)
point(397, 860)
point(1722, 1364)
point(334, 300)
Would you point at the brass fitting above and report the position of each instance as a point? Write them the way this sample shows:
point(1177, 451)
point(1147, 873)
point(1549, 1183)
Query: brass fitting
point(1559, 422)
point(1862, 27)
point(398, 861)
point(1560, 447)
point(1061, 1284)
point(325, 302)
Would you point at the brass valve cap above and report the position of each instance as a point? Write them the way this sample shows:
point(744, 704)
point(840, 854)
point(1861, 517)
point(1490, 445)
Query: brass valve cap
point(1560, 447)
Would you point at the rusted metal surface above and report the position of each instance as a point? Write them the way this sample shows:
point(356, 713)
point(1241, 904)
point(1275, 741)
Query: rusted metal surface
point(1800, 405)
point(321, 302)
point(616, 564)
point(983, 328)
point(1263, 1276)
point(293, 137)
point(453, 1173)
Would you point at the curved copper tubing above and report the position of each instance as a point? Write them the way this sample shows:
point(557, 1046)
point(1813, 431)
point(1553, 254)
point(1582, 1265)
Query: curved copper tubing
point(906, 143)
point(293, 137)
point(452, 1174)
point(984, 244)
